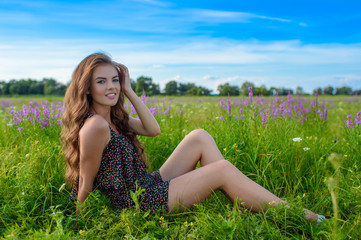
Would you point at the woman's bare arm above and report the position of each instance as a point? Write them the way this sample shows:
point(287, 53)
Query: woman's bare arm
point(146, 125)
point(93, 137)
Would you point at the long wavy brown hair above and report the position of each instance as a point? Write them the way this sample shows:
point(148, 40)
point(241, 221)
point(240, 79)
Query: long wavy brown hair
point(78, 103)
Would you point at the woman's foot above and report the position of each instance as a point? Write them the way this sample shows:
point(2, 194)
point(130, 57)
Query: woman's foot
point(320, 218)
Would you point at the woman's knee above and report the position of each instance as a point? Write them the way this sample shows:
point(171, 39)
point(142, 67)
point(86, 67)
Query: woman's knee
point(225, 167)
point(199, 135)
point(222, 170)
point(224, 164)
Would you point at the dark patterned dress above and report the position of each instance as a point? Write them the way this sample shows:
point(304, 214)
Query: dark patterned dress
point(120, 168)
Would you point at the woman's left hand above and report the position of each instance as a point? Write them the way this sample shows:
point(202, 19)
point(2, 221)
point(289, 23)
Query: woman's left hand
point(125, 80)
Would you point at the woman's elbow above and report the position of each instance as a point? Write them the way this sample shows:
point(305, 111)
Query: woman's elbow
point(155, 132)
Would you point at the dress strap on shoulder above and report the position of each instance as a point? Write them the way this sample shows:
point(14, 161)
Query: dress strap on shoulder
point(88, 115)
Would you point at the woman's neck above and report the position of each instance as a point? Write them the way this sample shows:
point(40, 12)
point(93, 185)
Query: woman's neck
point(104, 112)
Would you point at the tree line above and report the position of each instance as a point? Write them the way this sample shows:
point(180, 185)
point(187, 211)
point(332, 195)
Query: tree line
point(143, 84)
point(47, 86)
point(229, 90)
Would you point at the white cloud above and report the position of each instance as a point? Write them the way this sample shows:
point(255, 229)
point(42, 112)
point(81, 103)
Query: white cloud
point(348, 78)
point(208, 77)
point(158, 66)
point(209, 15)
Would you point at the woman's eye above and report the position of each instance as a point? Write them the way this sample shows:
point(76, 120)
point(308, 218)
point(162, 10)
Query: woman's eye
point(101, 81)
point(116, 80)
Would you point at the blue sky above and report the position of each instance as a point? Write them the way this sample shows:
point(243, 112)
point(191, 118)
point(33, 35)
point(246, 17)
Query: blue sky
point(273, 43)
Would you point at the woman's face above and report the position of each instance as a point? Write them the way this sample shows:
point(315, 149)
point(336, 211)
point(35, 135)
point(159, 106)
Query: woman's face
point(104, 86)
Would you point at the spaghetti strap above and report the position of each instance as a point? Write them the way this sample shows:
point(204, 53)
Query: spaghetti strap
point(88, 115)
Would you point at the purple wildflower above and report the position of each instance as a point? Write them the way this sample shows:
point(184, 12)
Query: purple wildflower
point(358, 118)
point(250, 94)
point(349, 123)
point(229, 106)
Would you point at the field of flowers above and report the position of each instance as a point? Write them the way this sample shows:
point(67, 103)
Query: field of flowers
point(304, 149)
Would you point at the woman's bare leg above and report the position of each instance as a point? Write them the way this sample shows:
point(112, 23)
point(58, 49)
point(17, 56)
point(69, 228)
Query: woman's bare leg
point(198, 145)
point(189, 186)
point(195, 186)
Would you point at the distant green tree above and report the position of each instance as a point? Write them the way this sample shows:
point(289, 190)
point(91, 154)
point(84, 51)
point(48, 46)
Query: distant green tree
point(146, 85)
point(198, 91)
point(274, 90)
point(2, 84)
point(328, 90)
point(60, 89)
point(184, 87)
point(228, 90)
point(18, 87)
point(49, 86)
point(204, 91)
point(344, 90)
point(30, 86)
point(285, 91)
point(192, 92)
point(143, 84)
point(244, 88)
point(257, 91)
point(155, 89)
point(317, 90)
point(171, 88)
point(36, 88)
point(4, 88)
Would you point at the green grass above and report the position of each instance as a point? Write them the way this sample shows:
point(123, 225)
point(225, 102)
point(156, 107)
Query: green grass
point(35, 205)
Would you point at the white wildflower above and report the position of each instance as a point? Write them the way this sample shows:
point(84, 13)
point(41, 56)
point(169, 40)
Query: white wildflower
point(297, 139)
point(306, 149)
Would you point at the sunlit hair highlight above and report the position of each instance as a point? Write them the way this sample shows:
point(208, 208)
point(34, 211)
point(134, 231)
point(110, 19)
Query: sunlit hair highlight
point(77, 104)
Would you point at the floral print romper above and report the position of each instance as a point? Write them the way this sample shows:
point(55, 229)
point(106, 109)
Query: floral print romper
point(120, 168)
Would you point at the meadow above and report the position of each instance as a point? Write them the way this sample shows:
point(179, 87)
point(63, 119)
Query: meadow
point(304, 149)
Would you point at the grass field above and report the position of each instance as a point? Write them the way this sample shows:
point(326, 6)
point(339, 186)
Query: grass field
point(306, 150)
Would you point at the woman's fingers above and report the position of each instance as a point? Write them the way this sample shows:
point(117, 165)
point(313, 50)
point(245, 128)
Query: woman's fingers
point(126, 80)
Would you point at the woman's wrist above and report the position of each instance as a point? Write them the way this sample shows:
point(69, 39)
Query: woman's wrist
point(128, 92)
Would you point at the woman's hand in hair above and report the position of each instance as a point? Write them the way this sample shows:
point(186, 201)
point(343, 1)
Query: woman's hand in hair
point(125, 83)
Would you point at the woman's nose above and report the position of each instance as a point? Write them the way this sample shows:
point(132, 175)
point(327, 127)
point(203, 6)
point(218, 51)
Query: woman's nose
point(110, 85)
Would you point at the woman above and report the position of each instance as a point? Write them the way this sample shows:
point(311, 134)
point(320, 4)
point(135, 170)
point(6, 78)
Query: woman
point(102, 150)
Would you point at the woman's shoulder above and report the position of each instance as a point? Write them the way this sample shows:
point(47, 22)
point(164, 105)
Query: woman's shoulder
point(95, 127)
